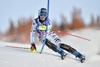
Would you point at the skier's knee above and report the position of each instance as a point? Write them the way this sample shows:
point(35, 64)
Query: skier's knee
point(51, 45)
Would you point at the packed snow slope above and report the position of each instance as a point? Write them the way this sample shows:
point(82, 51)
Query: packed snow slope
point(18, 57)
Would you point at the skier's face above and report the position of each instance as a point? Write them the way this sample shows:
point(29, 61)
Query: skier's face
point(42, 18)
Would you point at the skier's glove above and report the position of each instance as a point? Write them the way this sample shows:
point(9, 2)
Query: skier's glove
point(33, 47)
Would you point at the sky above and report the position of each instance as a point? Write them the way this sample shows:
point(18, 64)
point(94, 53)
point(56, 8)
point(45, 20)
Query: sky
point(15, 9)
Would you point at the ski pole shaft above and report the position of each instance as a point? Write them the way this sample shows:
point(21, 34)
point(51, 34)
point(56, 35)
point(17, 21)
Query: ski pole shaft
point(17, 47)
point(78, 36)
point(42, 48)
point(74, 35)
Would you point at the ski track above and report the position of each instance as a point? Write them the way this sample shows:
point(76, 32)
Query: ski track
point(15, 57)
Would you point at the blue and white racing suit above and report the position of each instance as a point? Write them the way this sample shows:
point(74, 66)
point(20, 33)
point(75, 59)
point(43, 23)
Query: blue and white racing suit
point(51, 38)
point(41, 29)
point(37, 26)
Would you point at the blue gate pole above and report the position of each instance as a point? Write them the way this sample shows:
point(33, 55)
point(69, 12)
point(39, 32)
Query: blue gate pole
point(48, 2)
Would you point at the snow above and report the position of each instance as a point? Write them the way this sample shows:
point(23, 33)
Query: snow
point(16, 57)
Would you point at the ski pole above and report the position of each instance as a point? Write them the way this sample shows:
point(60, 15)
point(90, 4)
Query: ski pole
point(75, 36)
point(17, 47)
point(46, 27)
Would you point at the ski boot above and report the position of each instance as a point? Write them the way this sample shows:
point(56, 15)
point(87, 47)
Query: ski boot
point(63, 54)
point(82, 59)
point(80, 56)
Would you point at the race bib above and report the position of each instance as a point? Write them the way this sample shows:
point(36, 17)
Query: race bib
point(42, 27)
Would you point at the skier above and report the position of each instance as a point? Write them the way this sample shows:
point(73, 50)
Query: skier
point(40, 25)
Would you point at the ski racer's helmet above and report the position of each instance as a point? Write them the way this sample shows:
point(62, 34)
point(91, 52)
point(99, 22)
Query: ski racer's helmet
point(43, 12)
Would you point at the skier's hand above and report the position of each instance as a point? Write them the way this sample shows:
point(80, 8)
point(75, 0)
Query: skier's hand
point(33, 47)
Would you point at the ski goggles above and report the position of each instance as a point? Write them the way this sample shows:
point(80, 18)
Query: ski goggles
point(43, 14)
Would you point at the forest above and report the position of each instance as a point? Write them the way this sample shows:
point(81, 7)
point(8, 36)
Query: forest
point(21, 32)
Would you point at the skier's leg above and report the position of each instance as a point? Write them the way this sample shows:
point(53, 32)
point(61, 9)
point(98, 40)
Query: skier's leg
point(56, 49)
point(67, 47)
point(72, 51)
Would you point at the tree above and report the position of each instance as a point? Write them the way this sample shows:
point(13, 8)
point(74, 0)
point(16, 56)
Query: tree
point(11, 30)
point(77, 21)
point(63, 23)
point(98, 21)
point(92, 22)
